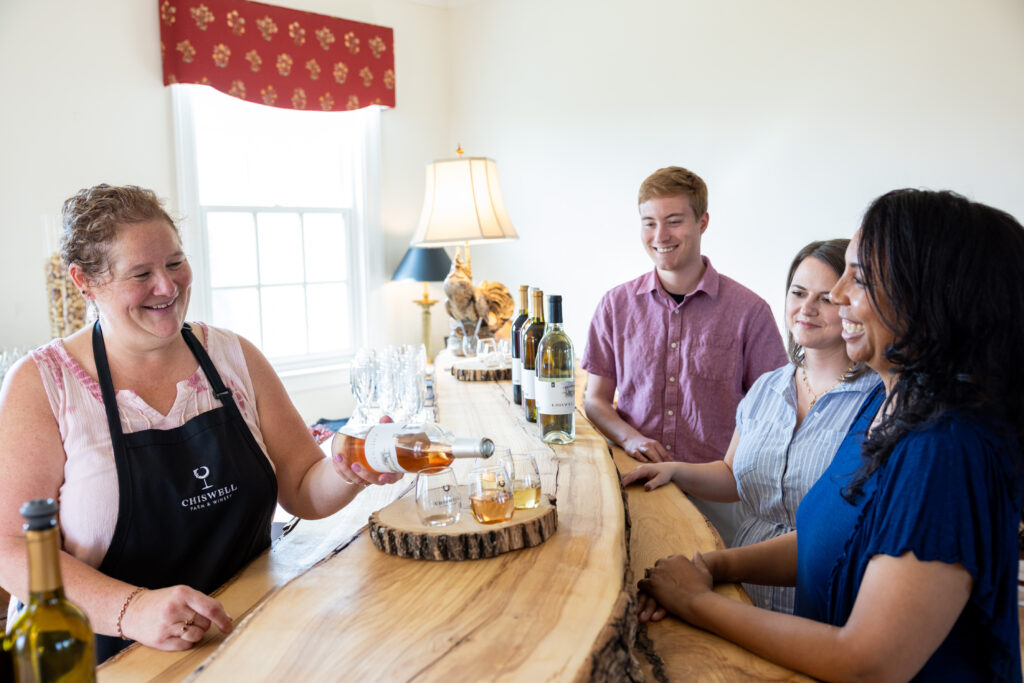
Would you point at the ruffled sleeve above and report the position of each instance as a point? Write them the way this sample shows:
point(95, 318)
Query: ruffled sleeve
point(949, 493)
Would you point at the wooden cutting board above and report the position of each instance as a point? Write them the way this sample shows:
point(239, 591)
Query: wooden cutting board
point(474, 370)
point(397, 530)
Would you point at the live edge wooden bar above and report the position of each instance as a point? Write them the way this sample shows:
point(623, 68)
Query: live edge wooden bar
point(324, 605)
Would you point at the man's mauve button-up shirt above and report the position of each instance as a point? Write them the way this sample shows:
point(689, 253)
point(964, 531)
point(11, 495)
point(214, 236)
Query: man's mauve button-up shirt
point(681, 369)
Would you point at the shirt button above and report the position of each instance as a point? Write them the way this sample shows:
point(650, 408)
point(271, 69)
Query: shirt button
point(675, 312)
point(668, 447)
point(674, 345)
point(670, 412)
point(671, 379)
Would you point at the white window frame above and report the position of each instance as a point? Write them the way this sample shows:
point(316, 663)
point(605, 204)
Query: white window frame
point(366, 256)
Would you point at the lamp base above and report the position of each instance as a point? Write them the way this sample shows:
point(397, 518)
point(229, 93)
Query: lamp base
point(425, 303)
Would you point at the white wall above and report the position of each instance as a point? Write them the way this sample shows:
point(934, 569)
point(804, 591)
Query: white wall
point(797, 113)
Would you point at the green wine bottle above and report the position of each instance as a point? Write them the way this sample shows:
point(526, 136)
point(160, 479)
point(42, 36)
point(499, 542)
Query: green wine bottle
point(51, 639)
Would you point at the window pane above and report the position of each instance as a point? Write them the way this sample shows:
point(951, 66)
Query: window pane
point(280, 236)
point(326, 255)
point(329, 313)
point(237, 310)
point(284, 321)
point(248, 154)
point(232, 250)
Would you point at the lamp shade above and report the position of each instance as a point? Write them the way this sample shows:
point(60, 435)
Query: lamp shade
point(463, 203)
point(423, 265)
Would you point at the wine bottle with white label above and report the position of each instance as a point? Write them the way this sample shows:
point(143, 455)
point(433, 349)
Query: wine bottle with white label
point(407, 447)
point(555, 384)
point(532, 332)
point(517, 353)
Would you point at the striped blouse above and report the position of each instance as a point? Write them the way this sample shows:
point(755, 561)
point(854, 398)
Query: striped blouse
point(775, 466)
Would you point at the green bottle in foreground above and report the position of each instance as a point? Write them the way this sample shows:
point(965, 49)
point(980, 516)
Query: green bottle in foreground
point(556, 381)
point(50, 639)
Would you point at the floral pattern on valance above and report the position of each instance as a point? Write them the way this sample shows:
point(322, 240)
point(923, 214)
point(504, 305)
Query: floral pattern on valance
point(277, 56)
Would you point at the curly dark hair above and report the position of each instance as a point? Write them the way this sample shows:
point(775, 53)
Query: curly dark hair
point(949, 271)
point(91, 218)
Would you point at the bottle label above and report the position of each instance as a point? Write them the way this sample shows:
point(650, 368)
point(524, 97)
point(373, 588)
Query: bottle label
point(517, 371)
point(528, 377)
point(556, 397)
point(380, 448)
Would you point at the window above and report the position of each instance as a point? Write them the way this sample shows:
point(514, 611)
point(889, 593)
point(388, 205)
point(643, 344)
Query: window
point(280, 243)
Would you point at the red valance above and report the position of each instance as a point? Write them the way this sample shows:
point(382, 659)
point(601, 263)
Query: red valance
point(276, 56)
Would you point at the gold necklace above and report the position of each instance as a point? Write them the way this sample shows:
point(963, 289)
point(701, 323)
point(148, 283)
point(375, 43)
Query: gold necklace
point(814, 396)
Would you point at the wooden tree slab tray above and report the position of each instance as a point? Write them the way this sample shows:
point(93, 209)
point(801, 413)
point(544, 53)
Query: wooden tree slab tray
point(397, 530)
point(474, 370)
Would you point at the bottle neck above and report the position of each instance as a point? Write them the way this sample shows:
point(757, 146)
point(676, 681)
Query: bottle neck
point(524, 301)
point(44, 563)
point(538, 309)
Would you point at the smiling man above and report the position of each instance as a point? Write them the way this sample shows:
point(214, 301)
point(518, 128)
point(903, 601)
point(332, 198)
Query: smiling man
point(682, 344)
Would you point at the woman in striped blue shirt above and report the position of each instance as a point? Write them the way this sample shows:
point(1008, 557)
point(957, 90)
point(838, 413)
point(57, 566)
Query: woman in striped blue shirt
point(791, 422)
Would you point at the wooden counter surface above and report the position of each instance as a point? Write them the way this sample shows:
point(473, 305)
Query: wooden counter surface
point(324, 604)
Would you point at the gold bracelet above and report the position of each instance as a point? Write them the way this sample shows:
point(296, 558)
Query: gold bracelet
point(124, 608)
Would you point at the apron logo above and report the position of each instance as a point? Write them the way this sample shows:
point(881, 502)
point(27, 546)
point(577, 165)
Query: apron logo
point(215, 495)
point(202, 472)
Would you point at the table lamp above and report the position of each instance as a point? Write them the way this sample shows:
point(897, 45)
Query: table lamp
point(424, 265)
point(462, 205)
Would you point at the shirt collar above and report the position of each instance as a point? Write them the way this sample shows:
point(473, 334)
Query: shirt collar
point(781, 382)
point(708, 284)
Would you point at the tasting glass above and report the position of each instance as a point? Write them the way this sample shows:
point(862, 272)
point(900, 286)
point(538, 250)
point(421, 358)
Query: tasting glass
point(469, 346)
point(502, 456)
point(437, 496)
point(505, 349)
point(525, 481)
point(487, 351)
point(490, 494)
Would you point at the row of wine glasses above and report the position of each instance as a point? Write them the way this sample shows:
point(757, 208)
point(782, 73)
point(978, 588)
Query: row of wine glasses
point(391, 381)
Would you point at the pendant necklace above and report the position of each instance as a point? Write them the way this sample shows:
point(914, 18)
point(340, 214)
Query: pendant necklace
point(814, 396)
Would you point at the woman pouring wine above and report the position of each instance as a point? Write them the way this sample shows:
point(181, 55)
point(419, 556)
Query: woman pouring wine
point(167, 444)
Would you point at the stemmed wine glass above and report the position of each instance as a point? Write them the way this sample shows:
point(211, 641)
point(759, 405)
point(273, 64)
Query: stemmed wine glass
point(362, 381)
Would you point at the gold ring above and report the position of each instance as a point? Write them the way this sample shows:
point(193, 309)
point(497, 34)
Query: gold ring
point(184, 628)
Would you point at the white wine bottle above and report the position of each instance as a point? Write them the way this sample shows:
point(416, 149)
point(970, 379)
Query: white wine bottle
point(407, 447)
point(531, 333)
point(555, 384)
point(51, 639)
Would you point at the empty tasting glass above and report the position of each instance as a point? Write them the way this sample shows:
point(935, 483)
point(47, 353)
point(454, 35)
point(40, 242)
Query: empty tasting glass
point(469, 346)
point(490, 494)
point(487, 352)
point(437, 496)
point(525, 481)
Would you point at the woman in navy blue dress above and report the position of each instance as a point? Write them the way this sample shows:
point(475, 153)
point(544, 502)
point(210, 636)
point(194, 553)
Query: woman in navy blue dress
point(906, 566)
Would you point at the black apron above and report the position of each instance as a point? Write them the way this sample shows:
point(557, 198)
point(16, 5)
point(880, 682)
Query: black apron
point(195, 502)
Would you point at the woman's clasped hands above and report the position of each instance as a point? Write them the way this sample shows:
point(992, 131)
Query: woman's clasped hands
point(674, 584)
